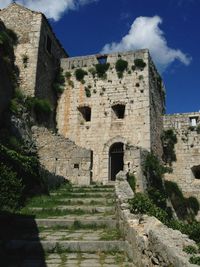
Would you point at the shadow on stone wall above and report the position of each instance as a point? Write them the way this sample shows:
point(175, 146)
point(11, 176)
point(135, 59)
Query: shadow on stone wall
point(20, 244)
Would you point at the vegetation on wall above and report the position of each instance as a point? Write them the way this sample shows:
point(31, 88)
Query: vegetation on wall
point(120, 66)
point(169, 140)
point(11, 189)
point(41, 108)
point(101, 70)
point(19, 178)
point(80, 74)
point(139, 63)
point(59, 82)
point(154, 201)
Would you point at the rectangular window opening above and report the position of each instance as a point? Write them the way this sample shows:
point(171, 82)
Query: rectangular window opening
point(119, 111)
point(193, 121)
point(76, 166)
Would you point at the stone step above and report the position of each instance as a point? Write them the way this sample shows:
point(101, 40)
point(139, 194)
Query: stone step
point(64, 233)
point(95, 190)
point(31, 247)
point(84, 195)
point(87, 201)
point(108, 221)
point(89, 209)
point(98, 259)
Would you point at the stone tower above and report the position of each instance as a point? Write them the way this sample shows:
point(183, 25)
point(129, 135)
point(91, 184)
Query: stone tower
point(115, 115)
point(38, 51)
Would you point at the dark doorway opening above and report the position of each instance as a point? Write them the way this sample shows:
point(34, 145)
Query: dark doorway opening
point(116, 160)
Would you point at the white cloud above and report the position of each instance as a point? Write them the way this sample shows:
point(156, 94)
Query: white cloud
point(145, 33)
point(53, 9)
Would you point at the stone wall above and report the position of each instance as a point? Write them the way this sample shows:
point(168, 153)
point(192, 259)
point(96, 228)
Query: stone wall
point(157, 104)
point(187, 152)
point(48, 62)
point(62, 157)
point(26, 24)
point(6, 88)
point(104, 129)
point(149, 242)
point(37, 66)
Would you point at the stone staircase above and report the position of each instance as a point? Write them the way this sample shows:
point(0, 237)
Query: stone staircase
point(76, 228)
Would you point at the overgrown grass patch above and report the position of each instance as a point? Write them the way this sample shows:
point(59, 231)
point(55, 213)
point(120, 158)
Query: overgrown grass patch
point(111, 234)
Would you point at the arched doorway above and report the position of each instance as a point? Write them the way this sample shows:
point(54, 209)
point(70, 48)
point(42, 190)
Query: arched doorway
point(116, 160)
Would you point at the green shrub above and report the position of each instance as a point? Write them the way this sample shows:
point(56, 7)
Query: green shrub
point(169, 140)
point(190, 250)
point(58, 89)
point(14, 106)
point(59, 82)
point(10, 189)
point(42, 106)
point(132, 181)
point(141, 204)
point(80, 74)
point(139, 63)
point(195, 260)
point(19, 95)
point(92, 71)
point(133, 68)
point(68, 74)
point(158, 197)
point(26, 167)
point(101, 69)
point(120, 66)
point(154, 171)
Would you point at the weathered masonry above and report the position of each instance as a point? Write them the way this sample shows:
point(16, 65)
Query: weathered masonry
point(38, 52)
point(112, 115)
point(186, 168)
point(107, 119)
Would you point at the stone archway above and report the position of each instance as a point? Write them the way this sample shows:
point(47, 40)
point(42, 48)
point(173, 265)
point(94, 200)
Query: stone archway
point(106, 151)
point(116, 160)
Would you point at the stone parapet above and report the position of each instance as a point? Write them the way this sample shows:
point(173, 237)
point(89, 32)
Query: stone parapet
point(62, 157)
point(149, 242)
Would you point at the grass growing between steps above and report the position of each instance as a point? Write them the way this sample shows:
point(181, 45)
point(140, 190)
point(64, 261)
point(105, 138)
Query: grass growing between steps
point(45, 213)
point(83, 195)
point(111, 234)
point(53, 201)
point(77, 225)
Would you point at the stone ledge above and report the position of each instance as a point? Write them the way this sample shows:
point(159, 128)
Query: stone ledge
point(149, 242)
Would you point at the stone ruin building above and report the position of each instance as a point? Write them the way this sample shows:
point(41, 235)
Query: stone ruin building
point(105, 123)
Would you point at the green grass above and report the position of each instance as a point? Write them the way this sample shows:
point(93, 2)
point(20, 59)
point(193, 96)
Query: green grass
point(46, 213)
point(111, 234)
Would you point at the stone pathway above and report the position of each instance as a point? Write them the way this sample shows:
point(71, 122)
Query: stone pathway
point(76, 228)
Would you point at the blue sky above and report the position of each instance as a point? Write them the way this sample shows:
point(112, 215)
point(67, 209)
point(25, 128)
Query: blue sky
point(86, 26)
